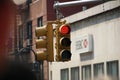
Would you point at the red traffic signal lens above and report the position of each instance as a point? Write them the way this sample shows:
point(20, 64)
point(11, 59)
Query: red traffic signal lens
point(64, 29)
point(65, 42)
point(65, 55)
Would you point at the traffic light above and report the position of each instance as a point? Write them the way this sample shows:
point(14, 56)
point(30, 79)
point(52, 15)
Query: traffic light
point(63, 42)
point(45, 44)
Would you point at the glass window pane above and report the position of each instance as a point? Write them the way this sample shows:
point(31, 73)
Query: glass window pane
point(99, 70)
point(64, 74)
point(86, 72)
point(75, 73)
point(40, 21)
point(112, 70)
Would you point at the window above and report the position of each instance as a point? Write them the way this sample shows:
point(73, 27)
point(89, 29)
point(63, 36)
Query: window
point(64, 74)
point(29, 1)
point(75, 73)
point(20, 37)
point(40, 22)
point(29, 31)
point(86, 72)
point(98, 70)
point(112, 70)
point(50, 75)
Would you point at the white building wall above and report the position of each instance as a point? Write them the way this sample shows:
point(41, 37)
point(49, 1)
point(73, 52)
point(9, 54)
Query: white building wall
point(105, 31)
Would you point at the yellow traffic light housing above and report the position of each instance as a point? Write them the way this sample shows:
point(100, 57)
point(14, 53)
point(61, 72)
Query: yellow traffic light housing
point(63, 42)
point(45, 43)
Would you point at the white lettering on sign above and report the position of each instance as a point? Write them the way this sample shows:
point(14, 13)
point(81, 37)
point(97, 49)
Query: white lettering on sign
point(83, 44)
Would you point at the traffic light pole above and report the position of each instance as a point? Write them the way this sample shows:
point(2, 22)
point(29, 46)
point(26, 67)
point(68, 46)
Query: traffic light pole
point(21, 50)
point(58, 5)
point(41, 76)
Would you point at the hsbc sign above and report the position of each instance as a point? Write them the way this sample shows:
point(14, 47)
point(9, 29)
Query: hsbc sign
point(80, 44)
point(83, 44)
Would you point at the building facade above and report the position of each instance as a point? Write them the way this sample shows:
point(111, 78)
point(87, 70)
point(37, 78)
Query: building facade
point(95, 45)
point(42, 11)
point(32, 14)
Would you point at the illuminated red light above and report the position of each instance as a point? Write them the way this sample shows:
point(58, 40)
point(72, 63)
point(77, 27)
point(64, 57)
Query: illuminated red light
point(64, 29)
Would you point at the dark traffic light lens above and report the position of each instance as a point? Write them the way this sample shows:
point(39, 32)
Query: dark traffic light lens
point(65, 55)
point(65, 42)
point(64, 29)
